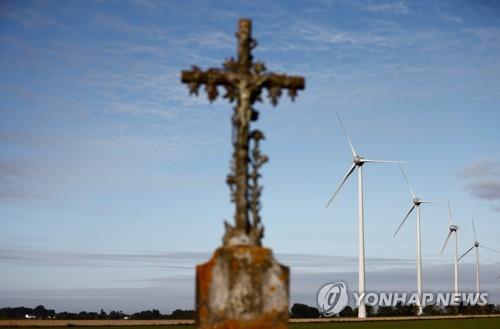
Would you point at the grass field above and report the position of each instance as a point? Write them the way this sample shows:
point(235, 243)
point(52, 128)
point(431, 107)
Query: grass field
point(416, 324)
point(484, 323)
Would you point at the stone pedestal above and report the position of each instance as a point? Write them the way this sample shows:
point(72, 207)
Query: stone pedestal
point(242, 287)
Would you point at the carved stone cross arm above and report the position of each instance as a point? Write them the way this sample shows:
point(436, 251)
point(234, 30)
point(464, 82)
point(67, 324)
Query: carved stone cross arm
point(276, 82)
point(211, 78)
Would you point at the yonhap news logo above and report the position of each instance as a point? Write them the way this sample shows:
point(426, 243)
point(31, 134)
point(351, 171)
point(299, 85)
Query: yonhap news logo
point(332, 298)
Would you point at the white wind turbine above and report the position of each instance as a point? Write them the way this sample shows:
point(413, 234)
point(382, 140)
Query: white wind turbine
point(476, 245)
point(358, 162)
point(416, 203)
point(453, 229)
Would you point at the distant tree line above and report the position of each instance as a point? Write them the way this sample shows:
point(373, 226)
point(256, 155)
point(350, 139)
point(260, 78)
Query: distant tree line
point(304, 311)
point(40, 312)
point(298, 310)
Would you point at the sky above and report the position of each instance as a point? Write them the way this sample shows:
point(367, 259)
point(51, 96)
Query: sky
point(112, 178)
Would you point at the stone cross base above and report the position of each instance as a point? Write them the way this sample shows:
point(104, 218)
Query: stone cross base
point(242, 287)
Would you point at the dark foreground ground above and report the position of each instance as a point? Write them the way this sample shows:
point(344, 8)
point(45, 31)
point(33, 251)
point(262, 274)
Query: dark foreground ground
point(464, 323)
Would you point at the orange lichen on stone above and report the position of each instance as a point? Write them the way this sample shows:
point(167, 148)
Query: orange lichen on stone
point(269, 320)
point(239, 288)
point(260, 255)
point(203, 279)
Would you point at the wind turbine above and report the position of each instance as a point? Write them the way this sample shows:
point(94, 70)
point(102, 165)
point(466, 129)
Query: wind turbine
point(476, 245)
point(358, 162)
point(416, 203)
point(453, 229)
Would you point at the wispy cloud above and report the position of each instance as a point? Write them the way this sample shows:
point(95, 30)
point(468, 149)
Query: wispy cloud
point(488, 36)
point(325, 35)
point(180, 260)
point(483, 180)
point(14, 180)
point(161, 260)
point(33, 15)
point(168, 294)
point(377, 37)
point(396, 7)
point(451, 18)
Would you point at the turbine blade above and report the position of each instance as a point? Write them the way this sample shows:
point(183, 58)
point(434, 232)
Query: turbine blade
point(490, 249)
point(404, 219)
point(407, 181)
point(450, 218)
point(349, 172)
point(446, 242)
point(426, 201)
point(474, 230)
point(465, 253)
point(382, 161)
point(347, 136)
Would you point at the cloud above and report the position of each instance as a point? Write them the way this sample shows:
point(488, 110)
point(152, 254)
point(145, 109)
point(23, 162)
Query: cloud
point(181, 260)
point(178, 292)
point(376, 38)
point(397, 7)
point(32, 16)
point(161, 260)
point(483, 180)
point(482, 168)
point(488, 190)
point(328, 35)
point(451, 18)
point(14, 178)
point(489, 37)
point(173, 286)
point(208, 40)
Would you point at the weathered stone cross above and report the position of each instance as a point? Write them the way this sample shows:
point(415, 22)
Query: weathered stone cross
point(243, 81)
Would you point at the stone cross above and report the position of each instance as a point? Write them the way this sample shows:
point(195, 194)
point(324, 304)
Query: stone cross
point(243, 81)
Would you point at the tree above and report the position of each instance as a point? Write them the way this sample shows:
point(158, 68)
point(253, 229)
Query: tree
point(432, 310)
point(386, 311)
point(116, 315)
point(147, 315)
point(370, 310)
point(182, 314)
point(304, 311)
point(103, 315)
point(347, 312)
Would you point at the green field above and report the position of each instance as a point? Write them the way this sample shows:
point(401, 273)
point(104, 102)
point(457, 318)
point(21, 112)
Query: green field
point(486, 323)
point(417, 324)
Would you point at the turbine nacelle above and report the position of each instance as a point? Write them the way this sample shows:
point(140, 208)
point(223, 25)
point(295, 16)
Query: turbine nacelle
point(358, 160)
point(417, 201)
point(476, 244)
point(454, 228)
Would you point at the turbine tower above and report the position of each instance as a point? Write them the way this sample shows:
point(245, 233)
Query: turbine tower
point(477, 245)
point(358, 162)
point(453, 229)
point(416, 203)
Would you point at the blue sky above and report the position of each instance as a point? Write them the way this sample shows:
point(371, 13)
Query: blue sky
point(112, 176)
